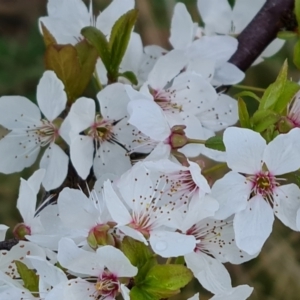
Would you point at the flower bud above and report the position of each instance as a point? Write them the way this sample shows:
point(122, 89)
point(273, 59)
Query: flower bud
point(100, 236)
point(178, 138)
point(21, 230)
point(284, 125)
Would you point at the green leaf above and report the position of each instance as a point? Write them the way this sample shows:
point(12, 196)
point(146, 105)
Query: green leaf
point(274, 91)
point(130, 76)
point(29, 277)
point(167, 280)
point(296, 57)
point(180, 260)
point(119, 39)
point(243, 114)
point(216, 143)
point(87, 57)
point(290, 89)
point(97, 39)
point(63, 61)
point(286, 35)
point(48, 37)
point(247, 94)
point(263, 119)
point(138, 293)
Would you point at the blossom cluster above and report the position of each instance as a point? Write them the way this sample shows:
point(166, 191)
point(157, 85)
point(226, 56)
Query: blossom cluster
point(140, 140)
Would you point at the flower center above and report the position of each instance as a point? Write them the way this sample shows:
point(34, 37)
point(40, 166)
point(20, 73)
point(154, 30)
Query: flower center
point(107, 285)
point(165, 99)
point(45, 133)
point(263, 183)
point(101, 130)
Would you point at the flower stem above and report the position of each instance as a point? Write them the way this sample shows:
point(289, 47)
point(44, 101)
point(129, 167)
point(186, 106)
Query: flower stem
point(250, 88)
point(214, 168)
point(195, 141)
point(168, 260)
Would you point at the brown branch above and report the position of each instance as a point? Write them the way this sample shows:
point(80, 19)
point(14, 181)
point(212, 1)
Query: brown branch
point(274, 16)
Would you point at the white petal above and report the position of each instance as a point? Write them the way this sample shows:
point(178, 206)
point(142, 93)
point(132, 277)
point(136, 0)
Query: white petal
point(253, 225)
point(241, 292)
point(149, 118)
point(81, 153)
point(78, 260)
point(281, 156)
point(182, 27)
point(216, 14)
point(195, 297)
point(77, 289)
point(286, 204)
point(111, 158)
point(171, 244)
point(115, 206)
point(82, 114)
point(55, 161)
point(19, 152)
point(81, 206)
point(244, 149)
point(116, 262)
point(208, 47)
point(51, 96)
point(232, 192)
point(36, 179)
point(3, 229)
point(113, 101)
point(227, 74)
point(26, 201)
point(166, 68)
point(161, 151)
point(221, 114)
point(133, 233)
point(47, 271)
point(212, 275)
point(244, 12)
point(18, 112)
point(112, 13)
point(198, 178)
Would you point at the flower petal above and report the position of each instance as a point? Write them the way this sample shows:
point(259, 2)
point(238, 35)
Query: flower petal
point(253, 225)
point(281, 156)
point(232, 192)
point(286, 204)
point(81, 153)
point(116, 262)
point(241, 292)
point(3, 229)
point(244, 149)
point(182, 27)
point(51, 96)
point(17, 112)
point(171, 244)
point(227, 74)
point(55, 161)
point(212, 275)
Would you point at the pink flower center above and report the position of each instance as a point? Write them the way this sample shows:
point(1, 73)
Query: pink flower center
point(166, 100)
point(101, 130)
point(263, 183)
point(107, 285)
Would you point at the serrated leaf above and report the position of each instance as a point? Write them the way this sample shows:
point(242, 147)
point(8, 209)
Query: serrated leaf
point(290, 89)
point(296, 56)
point(48, 37)
point(63, 61)
point(130, 76)
point(216, 143)
point(138, 293)
point(247, 94)
point(286, 35)
point(87, 56)
point(98, 40)
point(29, 277)
point(167, 280)
point(243, 114)
point(140, 256)
point(274, 91)
point(263, 119)
point(119, 38)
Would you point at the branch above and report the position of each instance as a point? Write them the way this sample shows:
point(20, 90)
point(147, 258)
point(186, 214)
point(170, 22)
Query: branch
point(274, 16)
